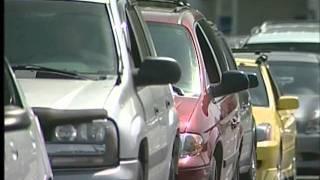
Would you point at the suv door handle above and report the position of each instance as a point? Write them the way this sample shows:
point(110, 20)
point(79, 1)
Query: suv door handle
point(14, 151)
point(234, 123)
point(168, 104)
point(156, 111)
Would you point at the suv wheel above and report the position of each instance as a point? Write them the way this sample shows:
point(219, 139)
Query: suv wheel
point(174, 160)
point(140, 171)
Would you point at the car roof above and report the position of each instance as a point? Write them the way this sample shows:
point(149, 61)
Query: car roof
point(276, 32)
point(282, 56)
point(168, 12)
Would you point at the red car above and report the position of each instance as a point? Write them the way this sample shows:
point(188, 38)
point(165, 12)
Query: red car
point(206, 96)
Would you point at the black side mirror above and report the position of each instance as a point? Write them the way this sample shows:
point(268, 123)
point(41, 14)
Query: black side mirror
point(253, 80)
point(232, 82)
point(158, 71)
point(16, 118)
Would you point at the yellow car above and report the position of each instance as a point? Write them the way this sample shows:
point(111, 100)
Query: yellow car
point(275, 124)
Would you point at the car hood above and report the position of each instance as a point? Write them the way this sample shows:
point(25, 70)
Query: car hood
point(185, 107)
point(307, 111)
point(66, 94)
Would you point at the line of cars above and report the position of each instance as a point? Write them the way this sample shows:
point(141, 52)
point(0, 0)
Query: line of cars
point(102, 97)
point(290, 51)
point(113, 104)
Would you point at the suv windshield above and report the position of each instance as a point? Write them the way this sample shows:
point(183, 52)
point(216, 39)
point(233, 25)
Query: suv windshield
point(174, 41)
point(296, 78)
point(64, 35)
point(259, 94)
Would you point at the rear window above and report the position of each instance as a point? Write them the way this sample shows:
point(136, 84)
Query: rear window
point(175, 42)
point(64, 35)
point(258, 95)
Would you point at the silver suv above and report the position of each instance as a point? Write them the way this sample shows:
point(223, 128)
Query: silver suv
point(25, 152)
point(93, 56)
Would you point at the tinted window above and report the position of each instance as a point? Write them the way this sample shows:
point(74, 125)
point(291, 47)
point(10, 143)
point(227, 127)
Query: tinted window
point(296, 78)
point(66, 35)
point(174, 41)
point(208, 57)
point(212, 34)
point(11, 96)
point(259, 95)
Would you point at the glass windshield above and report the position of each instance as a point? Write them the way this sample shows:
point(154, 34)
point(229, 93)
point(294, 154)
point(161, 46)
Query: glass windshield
point(296, 78)
point(258, 95)
point(174, 41)
point(64, 35)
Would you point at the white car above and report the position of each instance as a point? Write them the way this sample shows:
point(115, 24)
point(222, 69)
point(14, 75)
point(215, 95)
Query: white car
point(25, 153)
point(96, 56)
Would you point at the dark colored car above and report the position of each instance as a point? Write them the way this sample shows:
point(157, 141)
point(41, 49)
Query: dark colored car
point(210, 117)
point(298, 74)
point(285, 36)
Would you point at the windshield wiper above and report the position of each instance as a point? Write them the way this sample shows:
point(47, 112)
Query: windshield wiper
point(51, 70)
point(178, 90)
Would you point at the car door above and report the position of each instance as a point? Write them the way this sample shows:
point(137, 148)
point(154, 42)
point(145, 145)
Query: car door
point(288, 128)
point(139, 50)
point(25, 153)
point(228, 105)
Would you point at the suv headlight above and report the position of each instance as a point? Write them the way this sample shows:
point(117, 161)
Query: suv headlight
point(191, 144)
point(264, 132)
point(83, 145)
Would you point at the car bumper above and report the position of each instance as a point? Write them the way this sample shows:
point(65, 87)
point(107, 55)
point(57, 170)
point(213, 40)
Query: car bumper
point(199, 173)
point(308, 154)
point(127, 170)
point(196, 167)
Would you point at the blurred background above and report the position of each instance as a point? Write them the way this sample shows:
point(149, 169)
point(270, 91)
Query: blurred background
point(243, 15)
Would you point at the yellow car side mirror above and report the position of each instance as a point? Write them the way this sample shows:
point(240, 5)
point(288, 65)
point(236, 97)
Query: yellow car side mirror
point(288, 103)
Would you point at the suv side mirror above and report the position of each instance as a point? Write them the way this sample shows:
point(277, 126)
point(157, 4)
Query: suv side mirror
point(232, 82)
point(158, 71)
point(287, 103)
point(16, 118)
point(253, 80)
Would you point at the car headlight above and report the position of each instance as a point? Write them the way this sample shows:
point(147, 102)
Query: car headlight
point(92, 144)
point(191, 144)
point(264, 132)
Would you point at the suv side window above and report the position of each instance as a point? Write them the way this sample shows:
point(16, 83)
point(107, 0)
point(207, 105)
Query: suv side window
point(208, 56)
point(139, 44)
point(11, 96)
point(215, 44)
